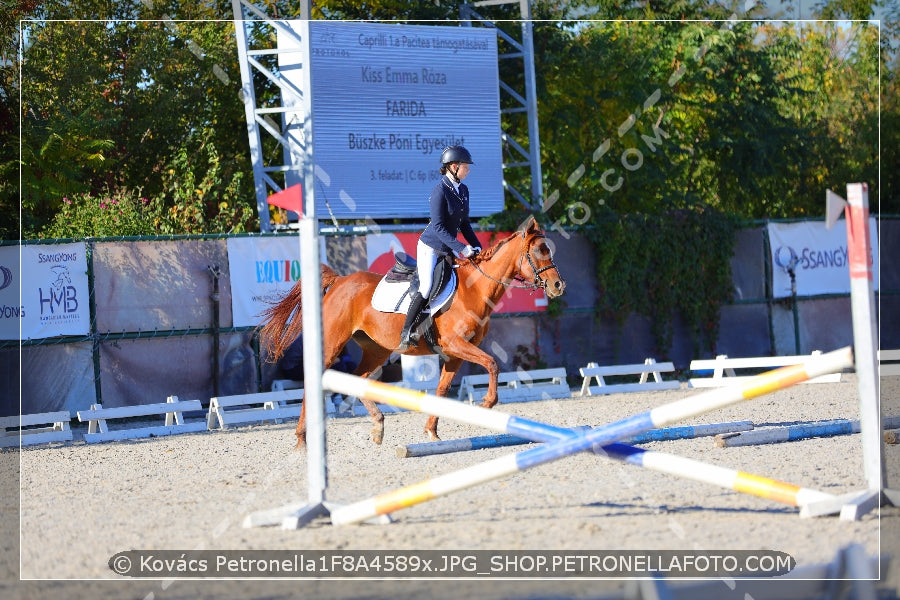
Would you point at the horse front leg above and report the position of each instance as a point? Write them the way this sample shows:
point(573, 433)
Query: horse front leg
point(448, 370)
point(469, 352)
point(473, 354)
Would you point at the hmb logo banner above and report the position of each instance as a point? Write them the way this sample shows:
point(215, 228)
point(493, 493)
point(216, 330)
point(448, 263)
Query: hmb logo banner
point(45, 291)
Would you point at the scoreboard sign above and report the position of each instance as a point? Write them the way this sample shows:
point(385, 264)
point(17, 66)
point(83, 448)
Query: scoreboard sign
point(386, 100)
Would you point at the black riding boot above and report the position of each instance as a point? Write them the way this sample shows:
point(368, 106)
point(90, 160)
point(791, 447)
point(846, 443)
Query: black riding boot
point(416, 304)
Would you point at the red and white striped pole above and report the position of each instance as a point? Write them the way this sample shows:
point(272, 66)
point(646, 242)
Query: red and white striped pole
point(862, 304)
point(865, 340)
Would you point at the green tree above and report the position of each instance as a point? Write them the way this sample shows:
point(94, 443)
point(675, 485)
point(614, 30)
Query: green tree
point(10, 110)
point(110, 104)
point(762, 118)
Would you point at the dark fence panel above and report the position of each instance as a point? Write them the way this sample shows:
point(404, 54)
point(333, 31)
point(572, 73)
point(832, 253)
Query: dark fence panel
point(165, 285)
point(153, 333)
point(54, 377)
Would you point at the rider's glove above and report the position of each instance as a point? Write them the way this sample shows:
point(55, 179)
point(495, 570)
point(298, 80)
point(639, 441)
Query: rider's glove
point(469, 251)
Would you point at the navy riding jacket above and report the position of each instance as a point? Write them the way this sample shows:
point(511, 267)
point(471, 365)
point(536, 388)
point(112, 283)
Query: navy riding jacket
point(449, 216)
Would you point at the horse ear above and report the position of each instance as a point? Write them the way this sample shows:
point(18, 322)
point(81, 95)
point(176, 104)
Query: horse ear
point(531, 225)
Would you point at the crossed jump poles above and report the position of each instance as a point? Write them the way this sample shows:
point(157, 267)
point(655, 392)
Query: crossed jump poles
point(561, 442)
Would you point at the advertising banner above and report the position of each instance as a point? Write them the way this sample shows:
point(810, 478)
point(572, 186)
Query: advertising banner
point(382, 247)
point(386, 100)
point(262, 271)
point(54, 291)
point(817, 255)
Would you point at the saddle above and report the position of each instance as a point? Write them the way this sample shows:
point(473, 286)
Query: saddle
point(392, 295)
point(404, 268)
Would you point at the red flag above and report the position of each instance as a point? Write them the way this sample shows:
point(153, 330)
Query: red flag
point(290, 199)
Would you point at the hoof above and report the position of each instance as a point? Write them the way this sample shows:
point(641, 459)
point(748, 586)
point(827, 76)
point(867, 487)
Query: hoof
point(377, 435)
point(300, 446)
point(432, 436)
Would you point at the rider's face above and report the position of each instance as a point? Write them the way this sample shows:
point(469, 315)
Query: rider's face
point(462, 170)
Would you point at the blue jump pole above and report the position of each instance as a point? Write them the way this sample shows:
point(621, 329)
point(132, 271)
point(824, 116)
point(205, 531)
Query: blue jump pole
point(504, 439)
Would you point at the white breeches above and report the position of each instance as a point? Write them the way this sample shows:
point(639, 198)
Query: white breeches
point(427, 258)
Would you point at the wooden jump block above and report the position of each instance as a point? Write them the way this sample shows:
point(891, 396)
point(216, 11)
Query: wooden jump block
point(650, 367)
point(335, 404)
point(518, 386)
point(172, 408)
point(723, 368)
point(274, 408)
point(53, 427)
point(889, 363)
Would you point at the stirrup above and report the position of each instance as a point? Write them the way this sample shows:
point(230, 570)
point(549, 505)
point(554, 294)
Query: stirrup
point(408, 337)
point(411, 338)
point(410, 341)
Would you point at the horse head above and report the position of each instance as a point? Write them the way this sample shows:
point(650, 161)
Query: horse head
point(537, 265)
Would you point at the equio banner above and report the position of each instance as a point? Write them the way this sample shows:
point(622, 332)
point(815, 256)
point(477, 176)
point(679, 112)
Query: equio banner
point(262, 271)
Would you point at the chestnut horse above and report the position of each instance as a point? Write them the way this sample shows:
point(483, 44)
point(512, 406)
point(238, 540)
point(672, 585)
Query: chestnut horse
point(523, 259)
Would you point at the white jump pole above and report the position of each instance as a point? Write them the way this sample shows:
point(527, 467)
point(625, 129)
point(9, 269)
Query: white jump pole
point(311, 288)
point(862, 301)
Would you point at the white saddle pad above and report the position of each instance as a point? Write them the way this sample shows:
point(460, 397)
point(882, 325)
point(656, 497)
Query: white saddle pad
point(391, 296)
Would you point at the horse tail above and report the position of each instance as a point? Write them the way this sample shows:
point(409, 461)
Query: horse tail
point(283, 322)
point(328, 277)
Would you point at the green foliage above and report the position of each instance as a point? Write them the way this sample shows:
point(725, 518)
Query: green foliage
point(764, 118)
point(10, 14)
point(378, 10)
point(62, 164)
point(114, 104)
point(109, 214)
point(677, 262)
point(201, 193)
point(761, 119)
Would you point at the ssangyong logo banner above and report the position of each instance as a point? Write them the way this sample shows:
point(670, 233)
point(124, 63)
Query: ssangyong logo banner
point(54, 291)
point(817, 255)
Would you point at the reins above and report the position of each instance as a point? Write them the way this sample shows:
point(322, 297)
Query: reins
point(537, 284)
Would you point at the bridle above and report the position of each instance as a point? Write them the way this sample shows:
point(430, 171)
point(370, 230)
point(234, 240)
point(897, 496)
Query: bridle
point(538, 283)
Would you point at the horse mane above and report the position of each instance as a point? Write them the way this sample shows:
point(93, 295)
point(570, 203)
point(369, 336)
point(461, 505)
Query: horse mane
point(488, 253)
point(282, 319)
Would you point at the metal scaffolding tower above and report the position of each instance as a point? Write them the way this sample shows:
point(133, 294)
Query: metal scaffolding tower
point(524, 102)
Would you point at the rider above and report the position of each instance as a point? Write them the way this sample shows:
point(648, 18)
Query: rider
point(449, 217)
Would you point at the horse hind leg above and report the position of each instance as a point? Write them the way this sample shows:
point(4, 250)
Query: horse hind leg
point(300, 430)
point(330, 356)
point(372, 359)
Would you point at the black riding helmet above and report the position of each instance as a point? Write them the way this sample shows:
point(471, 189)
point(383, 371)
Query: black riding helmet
point(456, 154)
